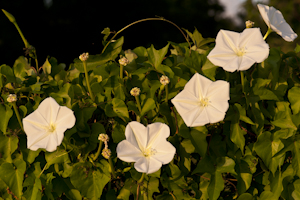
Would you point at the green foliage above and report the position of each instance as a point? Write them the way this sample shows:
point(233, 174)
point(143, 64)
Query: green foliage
point(254, 153)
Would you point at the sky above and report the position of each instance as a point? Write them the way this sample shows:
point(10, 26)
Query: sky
point(232, 7)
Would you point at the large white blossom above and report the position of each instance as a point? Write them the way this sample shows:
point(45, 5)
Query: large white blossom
point(275, 21)
point(239, 51)
point(146, 146)
point(45, 126)
point(202, 101)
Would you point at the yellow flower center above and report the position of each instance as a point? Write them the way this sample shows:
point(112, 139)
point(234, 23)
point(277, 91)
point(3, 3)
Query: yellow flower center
point(149, 152)
point(204, 102)
point(51, 128)
point(240, 51)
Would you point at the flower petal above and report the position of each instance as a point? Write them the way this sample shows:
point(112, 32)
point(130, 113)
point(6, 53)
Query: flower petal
point(218, 90)
point(136, 134)
point(165, 152)
point(128, 152)
point(142, 165)
point(65, 118)
point(214, 114)
point(157, 132)
point(48, 108)
point(199, 119)
point(147, 165)
point(52, 142)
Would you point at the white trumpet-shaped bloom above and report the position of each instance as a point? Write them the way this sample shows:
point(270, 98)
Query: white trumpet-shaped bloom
point(146, 146)
point(275, 21)
point(45, 126)
point(202, 101)
point(239, 51)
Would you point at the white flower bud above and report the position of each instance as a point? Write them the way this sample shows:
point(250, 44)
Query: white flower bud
point(164, 80)
point(123, 61)
point(84, 56)
point(249, 24)
point(106, 153)
point(12, 98)
point(103, 137)
point(135, 91)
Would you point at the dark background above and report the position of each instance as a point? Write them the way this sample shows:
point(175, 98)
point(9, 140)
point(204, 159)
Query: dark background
point(65, 29)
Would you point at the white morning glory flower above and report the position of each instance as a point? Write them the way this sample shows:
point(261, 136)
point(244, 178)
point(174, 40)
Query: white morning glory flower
point(239, 51)
point(275, 21)
point(146, 146)
point(45, 126)
point(202, 101)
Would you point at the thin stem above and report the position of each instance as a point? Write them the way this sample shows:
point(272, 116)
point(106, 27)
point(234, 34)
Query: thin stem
point(43, 170)
point(138, 186)
point(87, 80)
point(147, 19)
point(121, 72)
point(36, 64)
point(267, 33)
point(167, 92)
point(98, 151)
point(242, 81)
point(113, 173)
point(17, 114)
point(137, 99)
point(21, 34)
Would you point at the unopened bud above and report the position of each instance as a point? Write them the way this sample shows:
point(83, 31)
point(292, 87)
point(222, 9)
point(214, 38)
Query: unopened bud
point(103, 137)
point(164, 80)
point(11, 98)
point(84, 56)
point(135, 91)
point(123, 61)
point(249, 24)
point(106, 153)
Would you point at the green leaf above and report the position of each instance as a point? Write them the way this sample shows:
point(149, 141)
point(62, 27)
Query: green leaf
point(19, 68)
point(33, 184)
point(294, 98)
point(296, 192)
point(65, 95)
point(82, 116)
point(156, 56)
point(266, 147)
point(276, 184)
point(117, 107)
point(267, 195)
point(296, 157)
point(8, 73)
point(209, 70)
point(260, 89)
point(111, 53)
point(8, 145)
point(245, 196)
point(147, 106)
point(237, 136)
point(151, 187)
point(58, 156)
point(13, 174)
point(194, 61)
point(89, 181)
point(242, 111)
point(198, 139)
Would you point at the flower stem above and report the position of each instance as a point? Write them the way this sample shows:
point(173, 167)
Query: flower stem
point(113, 173)
point(21, 34)
point(139, 182)
point(267, 33)
point(121, 72)
point(87, 80)
point(139, 107)
point(242, 82)
point(98, 151)
point(148, 19)
point(167, 92)
point(17, 114)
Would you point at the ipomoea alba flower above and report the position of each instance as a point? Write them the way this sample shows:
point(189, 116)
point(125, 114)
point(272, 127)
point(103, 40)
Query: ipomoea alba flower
point(146, 146)
point(45, 126)
point(239, 51)
point(275, 21)
point(202, 101)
